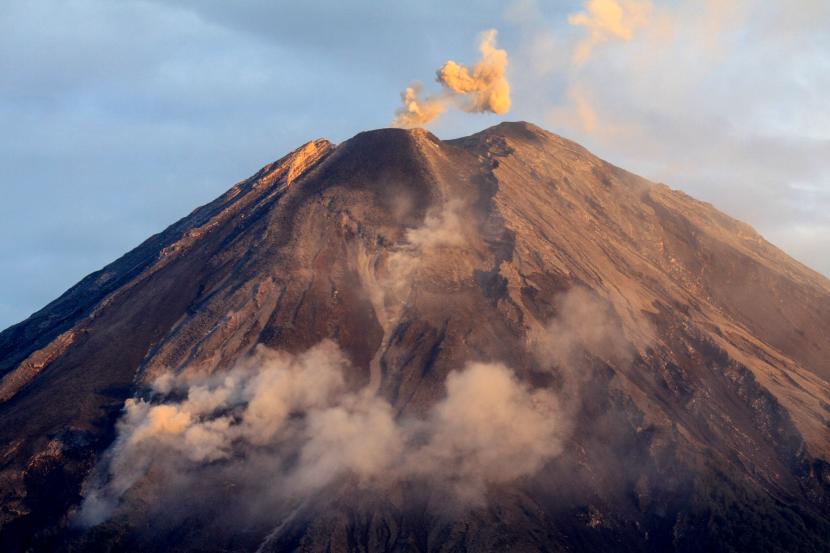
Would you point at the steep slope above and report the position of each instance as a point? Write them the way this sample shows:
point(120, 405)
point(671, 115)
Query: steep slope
point(692, 357)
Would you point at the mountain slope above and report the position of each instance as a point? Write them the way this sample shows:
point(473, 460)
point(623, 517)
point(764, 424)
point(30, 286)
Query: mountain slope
point(693, 357)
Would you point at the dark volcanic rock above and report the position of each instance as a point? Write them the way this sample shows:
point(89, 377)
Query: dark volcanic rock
point(710, 431)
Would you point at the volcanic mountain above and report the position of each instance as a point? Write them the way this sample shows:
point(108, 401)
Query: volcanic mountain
point(564, 356)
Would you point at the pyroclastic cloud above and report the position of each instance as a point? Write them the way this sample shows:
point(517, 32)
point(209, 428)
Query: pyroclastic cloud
point(289, 423)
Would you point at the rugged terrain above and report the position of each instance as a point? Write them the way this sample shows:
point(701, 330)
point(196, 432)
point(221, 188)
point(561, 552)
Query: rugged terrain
point(699, 414)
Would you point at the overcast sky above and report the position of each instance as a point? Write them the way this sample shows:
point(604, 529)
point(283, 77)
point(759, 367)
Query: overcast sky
point(117, 118)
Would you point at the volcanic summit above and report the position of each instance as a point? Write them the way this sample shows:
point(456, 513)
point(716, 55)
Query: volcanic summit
point(401, 343)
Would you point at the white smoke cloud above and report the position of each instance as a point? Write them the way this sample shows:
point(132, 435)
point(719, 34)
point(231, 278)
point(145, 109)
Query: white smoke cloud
point(478, 89)
point(489, 429)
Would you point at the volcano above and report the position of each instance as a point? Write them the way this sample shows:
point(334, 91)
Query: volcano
point(687, 361)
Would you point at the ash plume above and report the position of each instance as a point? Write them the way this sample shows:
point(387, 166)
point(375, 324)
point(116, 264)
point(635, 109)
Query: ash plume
point(478, 89)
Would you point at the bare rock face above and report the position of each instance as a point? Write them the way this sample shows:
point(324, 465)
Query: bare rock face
point(692, 358)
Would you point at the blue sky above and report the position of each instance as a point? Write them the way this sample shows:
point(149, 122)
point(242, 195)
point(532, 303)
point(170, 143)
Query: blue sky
point(117, 118)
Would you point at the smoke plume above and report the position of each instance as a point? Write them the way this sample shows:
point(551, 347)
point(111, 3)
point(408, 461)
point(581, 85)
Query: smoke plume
point(288, 423)
point(477, 89)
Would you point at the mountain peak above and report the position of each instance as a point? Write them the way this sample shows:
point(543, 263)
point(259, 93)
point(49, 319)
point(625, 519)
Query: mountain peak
point(393, 135)
point(671, 371)
point(517, 127)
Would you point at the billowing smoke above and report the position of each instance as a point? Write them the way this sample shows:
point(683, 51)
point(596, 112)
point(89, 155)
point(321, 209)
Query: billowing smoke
point(477, 89)
point(609, 19)
point(288, 421)
point(249, 405)
point(484, 87)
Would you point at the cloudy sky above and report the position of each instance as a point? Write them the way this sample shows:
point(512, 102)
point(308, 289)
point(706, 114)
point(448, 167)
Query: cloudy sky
point(117, 118)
